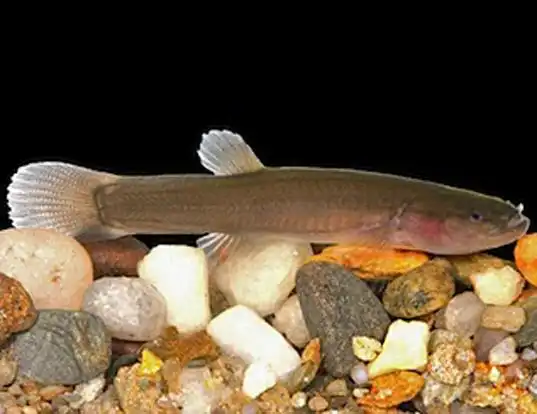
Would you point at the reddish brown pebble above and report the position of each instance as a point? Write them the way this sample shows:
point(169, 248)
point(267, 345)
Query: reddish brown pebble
point(118, 257)
point(120, 347)
point(18, 311)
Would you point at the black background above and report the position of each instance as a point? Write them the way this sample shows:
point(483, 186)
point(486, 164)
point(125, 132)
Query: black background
point(464, 119)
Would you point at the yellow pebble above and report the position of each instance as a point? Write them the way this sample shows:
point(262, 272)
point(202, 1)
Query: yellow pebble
point(151, 364)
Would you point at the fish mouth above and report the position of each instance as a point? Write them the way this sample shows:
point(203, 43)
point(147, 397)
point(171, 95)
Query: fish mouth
point(519, 224)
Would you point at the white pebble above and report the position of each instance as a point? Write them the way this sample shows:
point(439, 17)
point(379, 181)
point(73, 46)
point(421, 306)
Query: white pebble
point(498, 286)
point(258, 378)
point(180, 274)
point(359, 374)
point(404, 348)
point(261, 273)
point(131, 308)
point(504, 353)
point(241, 332)
point(88, 391)
point(289, 320)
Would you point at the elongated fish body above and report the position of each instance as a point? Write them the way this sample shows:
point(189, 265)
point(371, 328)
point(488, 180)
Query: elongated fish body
point(245, 198)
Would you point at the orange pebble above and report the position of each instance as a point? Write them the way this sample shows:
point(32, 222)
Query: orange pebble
point(392, 389)
point(371, 262)
point(526, 257)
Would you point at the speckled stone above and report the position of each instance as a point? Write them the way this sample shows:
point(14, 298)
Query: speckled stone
point(336, 306)
point(63, 347)
point(420, 291)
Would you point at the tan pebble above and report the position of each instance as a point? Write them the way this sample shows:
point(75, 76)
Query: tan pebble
point(51, 391)
point(15, 390)
point(336, 388)
point(29, 410)
point(506, 318)
point(299, 399)
point(359, 392)
point(13, 410)
point(317, 403)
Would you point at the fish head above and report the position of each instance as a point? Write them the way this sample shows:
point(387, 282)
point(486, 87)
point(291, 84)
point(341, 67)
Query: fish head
point(463, 222)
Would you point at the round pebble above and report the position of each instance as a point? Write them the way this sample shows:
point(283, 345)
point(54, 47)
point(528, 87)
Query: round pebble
point(506, 318)
point(317, 403)
point(420, 291)
point(463, 314)
point(299, 399)
point(54, 268)
point(359, 374)
point(131, 308)
point(17, 309)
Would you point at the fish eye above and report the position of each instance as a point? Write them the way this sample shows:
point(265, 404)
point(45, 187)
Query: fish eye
point(476, 217)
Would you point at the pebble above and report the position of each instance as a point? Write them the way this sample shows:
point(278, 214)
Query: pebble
point(450, 365)
point(199, 392)
point(289, 321)
point(258, 378)
point(63, 348)
point(420, 291)
point(405, 348)
point(337, 306)
point(131, 308)
point(532, 387)
point(8, 368)
point(366, 349)
point(337, 388)
point(116, 257)
point(525, 253)
point(506, 318)
point(498, 286)
point(317, 403)
point(528, 354)
point(261, 273)
point(468, 265)
point(528, 333)
point(241, 332)
point(359, 374)
point(436, 393)
point(486, 339)
point(463, 314)
point(299, 399)
point(180, 273)
point(504, 353)
point(136, 394)
point(54, 268)
point(17, 309)
point(88, 391)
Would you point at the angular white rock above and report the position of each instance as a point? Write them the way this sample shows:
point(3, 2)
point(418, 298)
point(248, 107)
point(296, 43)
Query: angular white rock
point(131, 308)
point(258, 378)
point(261, 272)
point(198, 394)
point(289, 320)
point(498, 286)
point(405, 348)
point(241, 332)
point(180, 273)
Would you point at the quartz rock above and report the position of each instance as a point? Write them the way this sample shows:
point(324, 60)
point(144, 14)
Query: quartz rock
point(289, 320)
point(506, 318)
point(261, 273)
point(241, 332)
point(131, 308)
point(404, 348)
point(504, 353)
point(180, 273)
point(258, 378)
point(498, 286)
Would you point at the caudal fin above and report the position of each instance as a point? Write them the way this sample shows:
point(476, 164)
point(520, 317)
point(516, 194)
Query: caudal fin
point(58, 196)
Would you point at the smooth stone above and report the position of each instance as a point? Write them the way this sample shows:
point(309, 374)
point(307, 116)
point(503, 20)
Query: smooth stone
point(55, 269)
point(420, 291)
point(63, 347)
point(337, 306)
point(131, 308)
point(261, 273)
point(528, 333)
point(463, 314)
point(289, 320)
point(506, 318)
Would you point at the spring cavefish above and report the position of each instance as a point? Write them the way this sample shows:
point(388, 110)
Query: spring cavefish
point(245, 198)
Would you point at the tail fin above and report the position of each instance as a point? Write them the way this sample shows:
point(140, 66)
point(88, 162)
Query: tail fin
point(59, 196)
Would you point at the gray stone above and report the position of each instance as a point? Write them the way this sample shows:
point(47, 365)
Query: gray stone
point(337, 305)
point(63, 347)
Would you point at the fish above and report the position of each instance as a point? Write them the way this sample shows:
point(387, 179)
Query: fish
point(240, 197)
